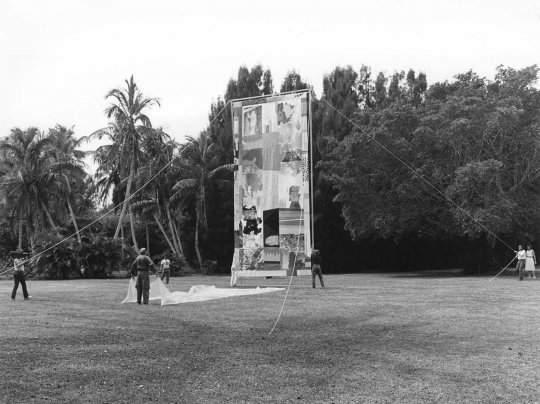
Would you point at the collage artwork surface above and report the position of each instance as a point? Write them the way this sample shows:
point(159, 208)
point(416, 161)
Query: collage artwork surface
point(271, 200)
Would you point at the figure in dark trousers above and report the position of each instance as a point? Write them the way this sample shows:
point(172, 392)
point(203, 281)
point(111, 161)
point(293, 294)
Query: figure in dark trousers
point(316, 267)
point(141, 268)
point(521, 256)
point(19, 276)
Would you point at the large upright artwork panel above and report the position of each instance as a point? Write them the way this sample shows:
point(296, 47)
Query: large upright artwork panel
point(271, 184)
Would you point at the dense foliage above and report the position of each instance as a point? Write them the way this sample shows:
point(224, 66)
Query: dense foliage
point(455, 160)
point(407, 175)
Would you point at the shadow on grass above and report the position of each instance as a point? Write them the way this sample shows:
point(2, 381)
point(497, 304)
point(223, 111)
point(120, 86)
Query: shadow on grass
point(443, 273)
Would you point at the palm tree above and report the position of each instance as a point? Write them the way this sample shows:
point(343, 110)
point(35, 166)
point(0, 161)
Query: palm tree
point(199, 164)
point(27, 182)
point(68, 167)
point(158, 150)
point(107, 175)
point(129, 121)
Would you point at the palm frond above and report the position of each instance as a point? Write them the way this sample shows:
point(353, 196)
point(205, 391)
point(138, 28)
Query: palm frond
point(184, 184)
point(222, 168)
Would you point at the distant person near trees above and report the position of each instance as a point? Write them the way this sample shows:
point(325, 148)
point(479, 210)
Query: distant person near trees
point(141, 268)
point(521, 256)
point(530, 262)
point(19, 275)
point(165, 269)
point(316, 267)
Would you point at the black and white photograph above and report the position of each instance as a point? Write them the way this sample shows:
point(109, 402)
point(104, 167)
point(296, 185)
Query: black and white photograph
point(269, 202)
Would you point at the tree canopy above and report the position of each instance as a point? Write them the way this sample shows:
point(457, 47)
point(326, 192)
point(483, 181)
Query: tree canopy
point(400, 164)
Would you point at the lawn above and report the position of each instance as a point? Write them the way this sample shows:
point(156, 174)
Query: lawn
point(368, 338)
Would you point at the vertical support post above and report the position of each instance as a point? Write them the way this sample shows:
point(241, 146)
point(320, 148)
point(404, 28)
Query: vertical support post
point(234, 264)
point(311, 172)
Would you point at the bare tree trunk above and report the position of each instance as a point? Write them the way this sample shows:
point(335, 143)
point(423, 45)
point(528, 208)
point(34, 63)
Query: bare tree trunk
point(74, 220)
point(126, 197)
point(171, 246)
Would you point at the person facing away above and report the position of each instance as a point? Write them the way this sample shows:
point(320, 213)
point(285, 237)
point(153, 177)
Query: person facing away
point(521, 256)
point(530, 262)
point(141, 268)
point(165, 269)
point(19, 276)
point(316, 267)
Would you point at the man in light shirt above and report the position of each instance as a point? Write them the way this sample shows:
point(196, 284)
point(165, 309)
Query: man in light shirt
point(165, 269)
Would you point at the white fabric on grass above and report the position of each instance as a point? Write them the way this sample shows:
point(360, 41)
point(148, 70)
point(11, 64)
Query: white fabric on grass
point(198, 293)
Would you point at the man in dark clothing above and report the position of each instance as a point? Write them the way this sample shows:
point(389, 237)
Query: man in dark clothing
point(521, 256)
point(316, 267)
point(141, 268)
point(19, 276)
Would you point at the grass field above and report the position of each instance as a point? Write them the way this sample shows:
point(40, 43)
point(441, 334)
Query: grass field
point(365, 339)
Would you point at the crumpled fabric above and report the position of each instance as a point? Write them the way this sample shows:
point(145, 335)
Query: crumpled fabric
point(197, 293)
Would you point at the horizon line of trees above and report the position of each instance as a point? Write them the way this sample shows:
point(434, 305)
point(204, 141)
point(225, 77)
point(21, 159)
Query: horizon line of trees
point(474, 140)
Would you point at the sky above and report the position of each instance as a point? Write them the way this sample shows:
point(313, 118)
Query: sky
point(60, 58)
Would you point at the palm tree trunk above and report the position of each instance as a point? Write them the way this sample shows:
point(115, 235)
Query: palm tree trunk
point(70, 208)
point(171, 246)
point(126, 197)
point(179, 241)
point(49, 217)
point(200, 222)
point(30, 235)
point(202, 197)
point(132, 225)
point(123, 242)
point(197, 251)
point(147, 239)
point(74, 220)
point(32, 246)
point(171, 229)
point(21, 222)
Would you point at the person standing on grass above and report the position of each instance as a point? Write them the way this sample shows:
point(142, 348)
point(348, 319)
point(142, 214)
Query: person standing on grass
point(141, 268)
point(165, 269)
point(316, 267)
point(19, 276)
point(521, 256)
point(530, 262)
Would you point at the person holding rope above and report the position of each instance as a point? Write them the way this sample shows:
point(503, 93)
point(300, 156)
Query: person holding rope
point(19, 275)
point(316, 267)
point(141, 268)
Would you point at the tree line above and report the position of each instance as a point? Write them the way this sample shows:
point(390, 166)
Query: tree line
point(407, 175)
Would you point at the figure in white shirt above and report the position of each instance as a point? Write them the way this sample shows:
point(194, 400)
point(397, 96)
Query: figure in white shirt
point(530, 262)
point(165, 269)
